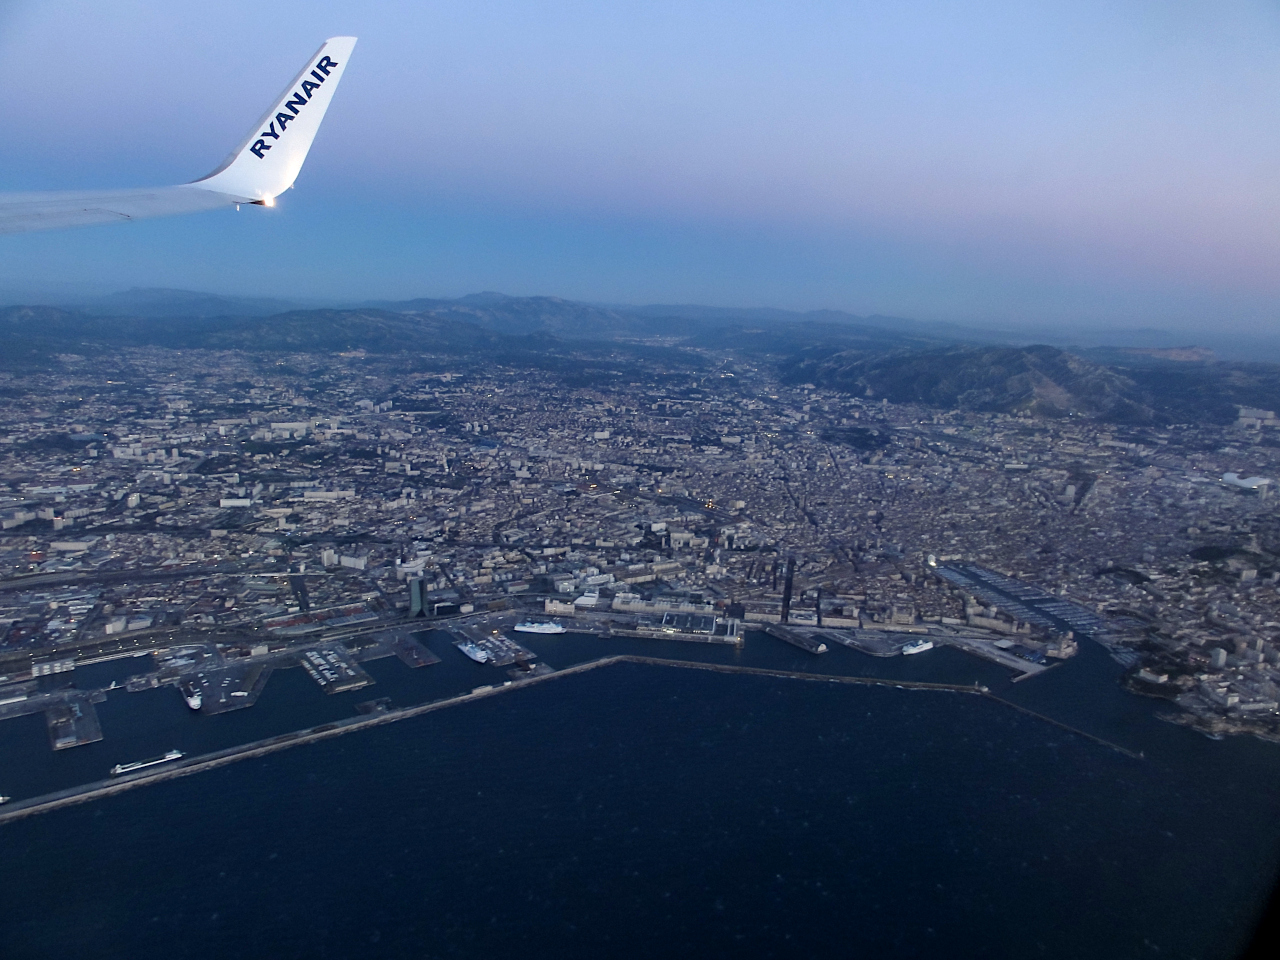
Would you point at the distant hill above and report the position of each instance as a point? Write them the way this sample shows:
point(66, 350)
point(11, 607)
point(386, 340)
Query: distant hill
point(1045, 381)
point(775, 341)
point(1039, 380)
point(328, 331)
point(571, 319)
point(721, 316)
point(334, 331)
point(161, 303)
point(32, 338)
point(521, 316)
point(869, 357)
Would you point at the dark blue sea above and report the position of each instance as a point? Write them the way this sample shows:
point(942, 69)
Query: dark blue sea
point(642, 811)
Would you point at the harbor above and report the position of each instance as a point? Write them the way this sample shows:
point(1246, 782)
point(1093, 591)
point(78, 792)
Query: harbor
point(206, 681)
point(187, 766)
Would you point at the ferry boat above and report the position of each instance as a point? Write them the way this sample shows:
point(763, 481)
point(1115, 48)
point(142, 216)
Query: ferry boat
point(120, 768)
point(473, 651)
point(191, 693)
point(918, 646)
point(533, 626)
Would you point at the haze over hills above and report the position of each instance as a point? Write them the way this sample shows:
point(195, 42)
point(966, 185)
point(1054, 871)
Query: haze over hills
point(562, 317)
point(937, 364)
point(520, 316)
point(162, 303)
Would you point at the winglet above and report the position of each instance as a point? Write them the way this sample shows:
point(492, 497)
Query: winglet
point(267, 162)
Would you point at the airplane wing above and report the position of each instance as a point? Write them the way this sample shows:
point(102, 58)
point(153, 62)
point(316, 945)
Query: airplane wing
point(261, 168)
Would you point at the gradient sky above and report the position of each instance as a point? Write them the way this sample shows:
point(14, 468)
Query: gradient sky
point(1063, 161)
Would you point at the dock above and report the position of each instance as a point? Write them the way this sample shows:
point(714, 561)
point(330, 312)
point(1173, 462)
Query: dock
point(501, 650)
point(412, 653)
point(234, 687)
point(876, 643)
point(689, 627)
point(987, 650)
point(803, 641)
point(74, 721)
point(69, 713)
point(334, 669)
point(399, 642)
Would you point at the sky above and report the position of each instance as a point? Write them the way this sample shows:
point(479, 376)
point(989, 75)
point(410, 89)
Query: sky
point(1010, 164)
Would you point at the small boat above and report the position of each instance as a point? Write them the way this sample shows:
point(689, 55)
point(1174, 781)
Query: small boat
point(534, 626)
point(191, 693)
point(919, 646)
point(5, 799)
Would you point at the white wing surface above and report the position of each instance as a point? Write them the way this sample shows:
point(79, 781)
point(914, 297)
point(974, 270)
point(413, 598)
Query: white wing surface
point(260, 169)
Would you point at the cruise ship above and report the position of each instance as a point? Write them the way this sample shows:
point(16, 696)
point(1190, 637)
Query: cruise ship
point(120, 768)
point(533, 626)
point(191, 693)
point(919, 646)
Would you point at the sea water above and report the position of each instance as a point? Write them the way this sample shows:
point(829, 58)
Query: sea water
point(651, 811)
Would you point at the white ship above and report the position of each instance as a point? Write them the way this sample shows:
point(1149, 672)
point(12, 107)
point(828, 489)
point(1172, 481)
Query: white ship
point(473, 651)
point(5, 799)
point(533, 626)
point(918, 646)
point(191, 693)
point(120, 768)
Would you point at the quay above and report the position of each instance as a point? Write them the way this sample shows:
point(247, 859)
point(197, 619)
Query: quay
point(233, 687)
point(333, 668)
point(70, 714)
point(260, 748)
point(875, 643)
point(74, 721)
point(501, 650)
point(412, 653)
point(804, 641)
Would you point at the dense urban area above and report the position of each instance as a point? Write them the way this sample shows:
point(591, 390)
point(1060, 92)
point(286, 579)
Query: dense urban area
point(157, 497)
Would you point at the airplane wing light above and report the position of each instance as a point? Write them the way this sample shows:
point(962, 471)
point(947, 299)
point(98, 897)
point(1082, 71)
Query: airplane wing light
point(260, 169)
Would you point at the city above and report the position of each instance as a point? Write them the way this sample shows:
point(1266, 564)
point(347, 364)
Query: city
point(220, 507)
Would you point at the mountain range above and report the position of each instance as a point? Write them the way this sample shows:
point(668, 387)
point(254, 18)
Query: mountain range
point(900, 360)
